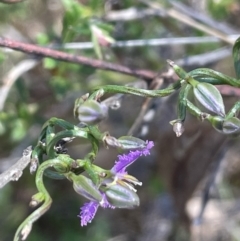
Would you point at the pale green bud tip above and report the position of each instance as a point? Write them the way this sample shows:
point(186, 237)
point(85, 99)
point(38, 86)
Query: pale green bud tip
point(37, 199)
point(111, 141)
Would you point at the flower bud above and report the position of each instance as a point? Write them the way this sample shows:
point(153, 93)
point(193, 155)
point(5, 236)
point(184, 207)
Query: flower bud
point(122, 197)
point(78, 102)
point(92, 112)
point(111, 141)
point(231, 126)
point(131, 143)
point(208, 97)
point(85, 187)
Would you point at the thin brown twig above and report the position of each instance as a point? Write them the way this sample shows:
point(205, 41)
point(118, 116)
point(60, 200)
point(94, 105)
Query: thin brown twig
point(10, 1)
point(62, 56)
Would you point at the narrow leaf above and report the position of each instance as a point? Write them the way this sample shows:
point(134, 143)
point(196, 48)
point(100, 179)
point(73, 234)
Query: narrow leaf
point(236, 57)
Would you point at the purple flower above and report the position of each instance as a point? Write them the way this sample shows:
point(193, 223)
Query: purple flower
point(127, 159)
point(89, 210)
point(119, 177)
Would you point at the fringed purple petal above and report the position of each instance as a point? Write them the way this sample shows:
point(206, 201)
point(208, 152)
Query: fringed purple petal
point(88, 212)
point(104, 203)
point(127, 159)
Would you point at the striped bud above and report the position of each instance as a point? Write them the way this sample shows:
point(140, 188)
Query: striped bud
point(122, 197)
point(92, 112)
point(208, 97)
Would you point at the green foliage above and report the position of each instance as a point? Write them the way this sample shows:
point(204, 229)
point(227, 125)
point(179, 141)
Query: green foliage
point(236, 57)
point(100, 36)
point(220, 9)
point(17, 11)
point(49, 63)
point(75, 20)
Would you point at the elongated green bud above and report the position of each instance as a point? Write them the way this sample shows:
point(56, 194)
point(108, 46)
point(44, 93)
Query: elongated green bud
point(131, 143)
point(208, 97)
point(122, 197)
point(85, 187)
point(92, 112)
point(231, 126)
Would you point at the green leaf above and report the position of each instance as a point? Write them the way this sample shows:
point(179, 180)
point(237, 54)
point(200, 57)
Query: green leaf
point(236, 57)
point(100, 37)
point(95, 41)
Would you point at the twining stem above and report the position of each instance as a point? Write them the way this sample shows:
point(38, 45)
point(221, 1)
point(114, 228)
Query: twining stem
point(25, 228)
point(139, 92)
point(51, 152)
point(213, 77)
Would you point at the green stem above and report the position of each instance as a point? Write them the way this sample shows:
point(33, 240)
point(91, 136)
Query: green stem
point(193, 109)
point(25, 228)
point(182, 102)
point(191, 81)
point(83, 133)
point(139, 92)
point(233, 111)
point(59, 122)
point(213, 77)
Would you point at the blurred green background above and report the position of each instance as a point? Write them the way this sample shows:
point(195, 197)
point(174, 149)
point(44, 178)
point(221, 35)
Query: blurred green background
point(177, 171)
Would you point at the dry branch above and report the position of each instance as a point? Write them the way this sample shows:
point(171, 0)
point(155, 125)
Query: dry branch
point(62, 56)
